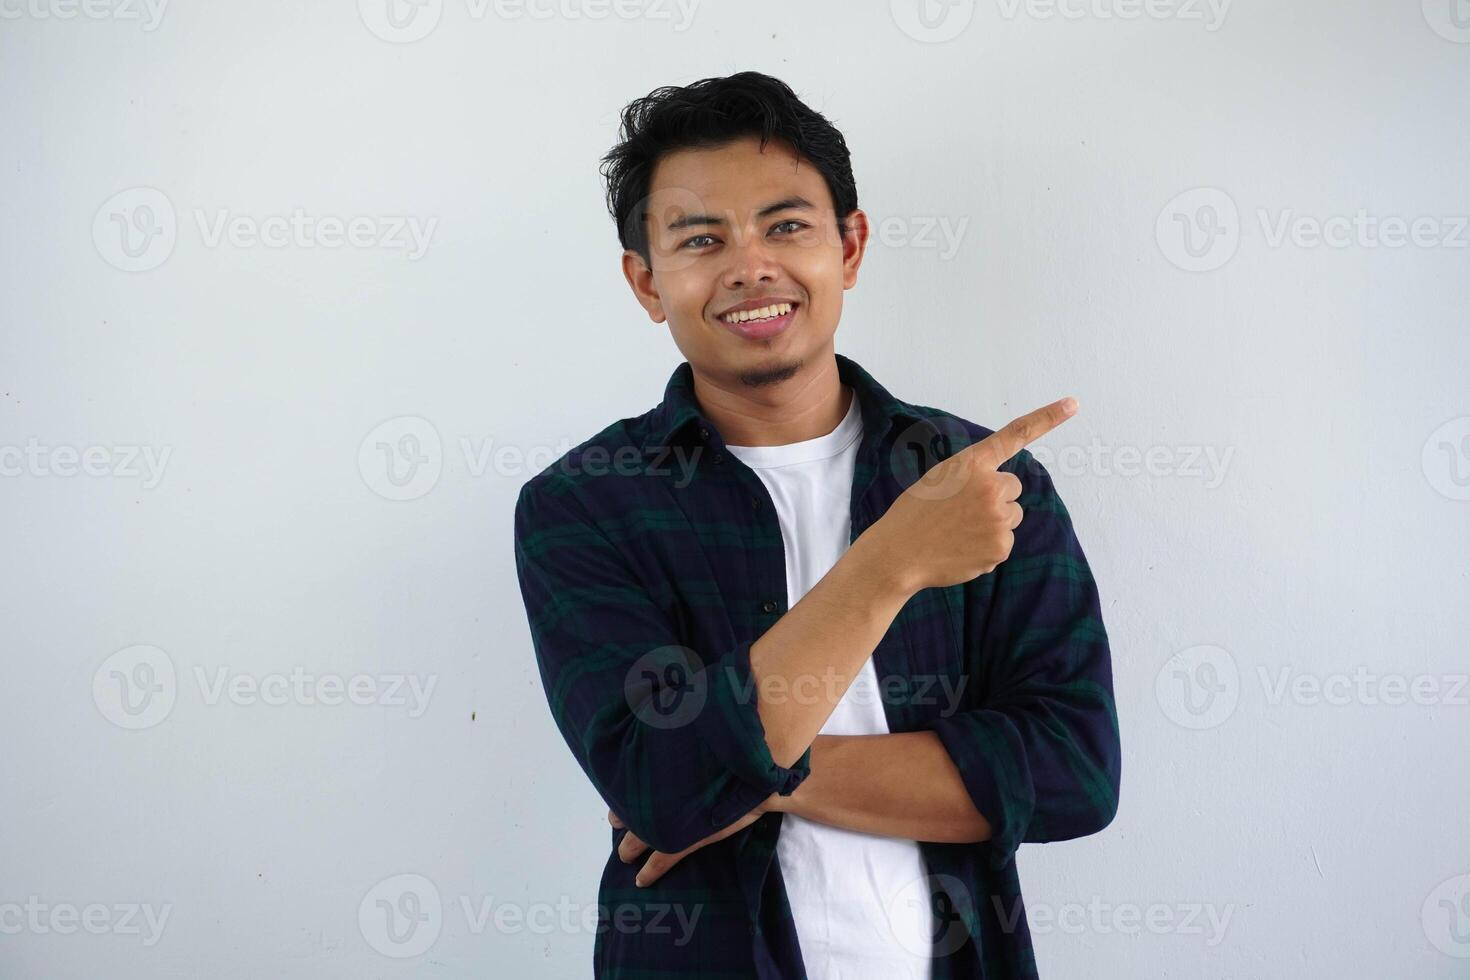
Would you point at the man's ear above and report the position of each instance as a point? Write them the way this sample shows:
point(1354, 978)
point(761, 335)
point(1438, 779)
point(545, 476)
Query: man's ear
point(854, 245)
point(640, 278)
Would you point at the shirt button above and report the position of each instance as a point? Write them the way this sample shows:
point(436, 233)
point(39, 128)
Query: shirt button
point(719, 458)
point(768, 606)
point(755, 503)
point(703, 433)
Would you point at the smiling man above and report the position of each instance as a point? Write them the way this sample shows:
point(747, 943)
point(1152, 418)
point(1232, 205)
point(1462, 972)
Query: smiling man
point(829, 683)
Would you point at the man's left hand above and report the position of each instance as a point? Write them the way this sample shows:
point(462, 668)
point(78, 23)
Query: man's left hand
point(658, 862)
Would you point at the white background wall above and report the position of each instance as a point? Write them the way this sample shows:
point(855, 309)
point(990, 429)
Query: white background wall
point(1264, 831)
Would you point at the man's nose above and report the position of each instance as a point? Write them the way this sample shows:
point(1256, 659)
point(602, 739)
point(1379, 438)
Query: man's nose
point(751, 261)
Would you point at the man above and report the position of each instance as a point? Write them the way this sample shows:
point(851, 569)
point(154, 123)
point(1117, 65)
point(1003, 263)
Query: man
point(829, 656)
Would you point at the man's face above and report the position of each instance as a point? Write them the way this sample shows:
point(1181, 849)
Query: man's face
point(735, 224)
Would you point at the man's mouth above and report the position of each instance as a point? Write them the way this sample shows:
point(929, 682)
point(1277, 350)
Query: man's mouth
point(760, 324)
point(764, 313)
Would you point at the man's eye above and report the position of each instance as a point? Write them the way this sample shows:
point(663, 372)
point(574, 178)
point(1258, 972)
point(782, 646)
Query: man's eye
point(692, 242)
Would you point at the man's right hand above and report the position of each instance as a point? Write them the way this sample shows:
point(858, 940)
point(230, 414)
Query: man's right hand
point(957, 522)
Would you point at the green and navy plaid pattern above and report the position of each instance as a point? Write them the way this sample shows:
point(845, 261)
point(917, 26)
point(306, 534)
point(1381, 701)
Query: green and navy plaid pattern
point(650, 559)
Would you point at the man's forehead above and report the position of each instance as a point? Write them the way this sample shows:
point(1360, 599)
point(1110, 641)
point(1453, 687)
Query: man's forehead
point(735, 180)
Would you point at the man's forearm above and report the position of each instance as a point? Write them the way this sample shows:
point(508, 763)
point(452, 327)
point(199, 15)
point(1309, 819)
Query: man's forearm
point(803, 664)
point(897, 785)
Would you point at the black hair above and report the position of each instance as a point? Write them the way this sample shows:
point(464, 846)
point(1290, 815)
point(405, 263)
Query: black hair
point(708, 114)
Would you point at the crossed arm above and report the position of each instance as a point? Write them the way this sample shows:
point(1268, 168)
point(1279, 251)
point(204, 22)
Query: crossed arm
point(1035, 757)
point(896, 785)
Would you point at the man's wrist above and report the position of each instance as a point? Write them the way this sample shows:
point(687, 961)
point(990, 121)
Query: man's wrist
point(776, 803)
point(794, 802)
point(884, 570)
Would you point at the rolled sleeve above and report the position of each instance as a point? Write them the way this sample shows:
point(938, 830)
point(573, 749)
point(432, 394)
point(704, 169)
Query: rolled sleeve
point(730, 726)
point(1040, 754)
point(605, 649)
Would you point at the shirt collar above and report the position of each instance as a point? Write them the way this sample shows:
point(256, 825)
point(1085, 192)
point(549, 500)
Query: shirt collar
point(679, 415)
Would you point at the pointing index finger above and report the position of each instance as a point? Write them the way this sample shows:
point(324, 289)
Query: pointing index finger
point(1005, 442)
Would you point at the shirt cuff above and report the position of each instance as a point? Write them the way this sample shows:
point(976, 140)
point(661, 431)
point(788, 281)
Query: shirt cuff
point(988, 751)
point(729, 725)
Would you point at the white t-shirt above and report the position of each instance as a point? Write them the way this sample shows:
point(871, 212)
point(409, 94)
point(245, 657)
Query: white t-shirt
point(859, 900)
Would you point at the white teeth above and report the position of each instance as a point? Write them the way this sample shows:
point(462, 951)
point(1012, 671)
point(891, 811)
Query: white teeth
point(764, 313)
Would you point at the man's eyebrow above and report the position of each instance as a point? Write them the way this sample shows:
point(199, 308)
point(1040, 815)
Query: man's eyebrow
point(794, 203)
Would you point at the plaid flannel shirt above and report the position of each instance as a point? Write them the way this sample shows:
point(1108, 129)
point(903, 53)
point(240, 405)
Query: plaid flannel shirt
point(650, 560)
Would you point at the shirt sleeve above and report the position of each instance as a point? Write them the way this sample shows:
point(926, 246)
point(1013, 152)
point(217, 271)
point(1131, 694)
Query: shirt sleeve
point(669, 736)
point(1040, 755)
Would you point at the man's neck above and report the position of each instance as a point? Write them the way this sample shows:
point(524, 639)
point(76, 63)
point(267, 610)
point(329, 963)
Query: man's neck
point(809, 404)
